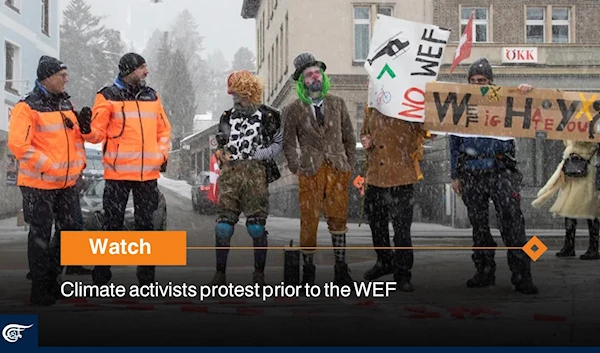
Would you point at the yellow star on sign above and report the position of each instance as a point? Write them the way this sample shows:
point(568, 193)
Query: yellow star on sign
point(586, 106)
point(535, 242)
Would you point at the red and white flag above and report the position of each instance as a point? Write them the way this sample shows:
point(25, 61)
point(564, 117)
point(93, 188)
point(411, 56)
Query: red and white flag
point(213, 192)
point(463, 51)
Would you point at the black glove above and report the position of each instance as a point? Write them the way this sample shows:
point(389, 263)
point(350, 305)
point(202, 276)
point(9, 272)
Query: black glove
point(163, 167)
point(84, 118)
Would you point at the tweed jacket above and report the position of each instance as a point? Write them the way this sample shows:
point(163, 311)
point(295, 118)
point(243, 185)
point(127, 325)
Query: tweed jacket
point(334, 142)
point(395, 152)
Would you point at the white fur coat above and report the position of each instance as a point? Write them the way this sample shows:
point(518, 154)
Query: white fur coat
point(577, 197)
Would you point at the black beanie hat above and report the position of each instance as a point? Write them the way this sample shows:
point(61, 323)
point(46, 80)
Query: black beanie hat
point(49, 66)
point(481, 67)
point(129, 63)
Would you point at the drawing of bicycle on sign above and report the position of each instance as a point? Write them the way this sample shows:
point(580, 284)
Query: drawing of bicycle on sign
point(383, 96)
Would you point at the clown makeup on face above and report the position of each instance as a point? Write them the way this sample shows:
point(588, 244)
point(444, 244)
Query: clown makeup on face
point(313, 79)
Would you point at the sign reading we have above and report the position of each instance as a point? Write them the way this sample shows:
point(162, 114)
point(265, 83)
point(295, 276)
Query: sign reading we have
point(505, 111)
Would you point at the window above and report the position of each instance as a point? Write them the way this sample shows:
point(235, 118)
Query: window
point(560, 24)
point(258, 61)
point(281, 56)
point(45, 17)
point(287, 43)
point(360, 107)
point(363, 21)
point(270, 88)
point(274, 82)
point(277, 61)
point(12, 69)
point(13, 4)
point(362, 32)
point(480, 22)
point(535, 27)
point(385, 10)
point(262, 37)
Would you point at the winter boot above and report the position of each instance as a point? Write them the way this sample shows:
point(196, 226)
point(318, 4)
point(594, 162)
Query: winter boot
point(403, 282)
point(342, 275)
point(77, 270)
point(259, 277)
point(218, 279)
point(526, 286)
point(481, 279)
point(41, 293)
point(486, 269)
point(308, 275)
point(383, 267)
point(568, 249)
point(592, 251)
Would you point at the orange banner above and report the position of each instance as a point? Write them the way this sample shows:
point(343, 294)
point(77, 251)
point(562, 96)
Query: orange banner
point(126, 248)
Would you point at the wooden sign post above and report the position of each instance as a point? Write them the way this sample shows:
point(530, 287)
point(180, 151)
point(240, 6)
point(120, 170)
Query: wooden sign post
point(506, 112)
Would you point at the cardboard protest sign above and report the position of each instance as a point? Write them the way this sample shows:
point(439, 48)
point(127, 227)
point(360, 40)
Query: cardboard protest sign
point(403, 57)
point(505, 111)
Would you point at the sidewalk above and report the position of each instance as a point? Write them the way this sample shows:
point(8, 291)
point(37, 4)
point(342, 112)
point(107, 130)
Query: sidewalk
point(284, 228)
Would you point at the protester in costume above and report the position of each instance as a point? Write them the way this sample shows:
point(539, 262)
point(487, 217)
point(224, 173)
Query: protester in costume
point(319, 122)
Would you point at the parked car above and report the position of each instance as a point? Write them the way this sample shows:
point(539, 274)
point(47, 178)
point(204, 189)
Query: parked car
point(92, 209)
point(93, 170)
point(200, 201)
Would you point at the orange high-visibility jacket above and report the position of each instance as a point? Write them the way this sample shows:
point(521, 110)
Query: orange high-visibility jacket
point(134, 130)
point(50, 149)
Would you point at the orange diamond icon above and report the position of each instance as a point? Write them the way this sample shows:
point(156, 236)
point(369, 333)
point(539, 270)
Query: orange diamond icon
point(535, 248)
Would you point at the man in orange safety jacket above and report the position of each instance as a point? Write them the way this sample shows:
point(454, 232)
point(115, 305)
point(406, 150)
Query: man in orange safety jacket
point(129, 119)
point(45, 139)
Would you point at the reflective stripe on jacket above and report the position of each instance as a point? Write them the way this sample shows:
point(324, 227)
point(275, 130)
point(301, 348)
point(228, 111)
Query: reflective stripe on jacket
point(51, 154)
point(134, 130)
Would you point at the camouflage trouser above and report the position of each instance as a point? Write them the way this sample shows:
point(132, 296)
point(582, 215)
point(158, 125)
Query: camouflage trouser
point(243, 187)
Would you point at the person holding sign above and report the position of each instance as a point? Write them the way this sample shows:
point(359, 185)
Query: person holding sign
point(575, 181)
point(394, 149)
point(483, 169)
point(320, 123)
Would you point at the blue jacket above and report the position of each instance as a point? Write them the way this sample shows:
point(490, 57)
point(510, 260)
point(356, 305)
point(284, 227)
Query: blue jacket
point(477, 153)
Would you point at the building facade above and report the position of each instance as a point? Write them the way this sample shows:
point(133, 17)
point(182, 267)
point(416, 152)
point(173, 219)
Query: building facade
point(28, 30)
point(549, 44)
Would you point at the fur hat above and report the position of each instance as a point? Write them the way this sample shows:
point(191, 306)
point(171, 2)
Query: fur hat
point(246, 85)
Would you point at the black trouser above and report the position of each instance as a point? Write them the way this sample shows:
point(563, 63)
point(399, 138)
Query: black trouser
point(503, 187)
point(571, 229)
point(396, 203)
point(40, 209)
point(145, 200)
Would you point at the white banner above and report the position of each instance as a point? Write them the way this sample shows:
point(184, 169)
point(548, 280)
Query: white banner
point(404, 56)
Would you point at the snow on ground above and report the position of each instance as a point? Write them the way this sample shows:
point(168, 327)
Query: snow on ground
point(10, 232)
point(180, 187)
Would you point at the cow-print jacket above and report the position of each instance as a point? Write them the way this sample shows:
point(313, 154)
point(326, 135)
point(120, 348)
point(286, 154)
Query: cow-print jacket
point(257, 136)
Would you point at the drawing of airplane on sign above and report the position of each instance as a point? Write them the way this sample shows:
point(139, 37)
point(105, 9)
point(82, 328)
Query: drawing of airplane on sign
point(391, 48)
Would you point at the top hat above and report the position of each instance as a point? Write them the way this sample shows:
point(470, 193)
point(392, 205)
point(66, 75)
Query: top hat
point(303, 61)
